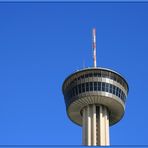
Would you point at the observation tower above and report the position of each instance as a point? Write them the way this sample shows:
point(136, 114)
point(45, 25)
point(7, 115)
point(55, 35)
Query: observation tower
point(95, 99)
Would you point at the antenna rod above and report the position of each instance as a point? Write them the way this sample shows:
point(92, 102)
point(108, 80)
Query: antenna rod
point(94, 47)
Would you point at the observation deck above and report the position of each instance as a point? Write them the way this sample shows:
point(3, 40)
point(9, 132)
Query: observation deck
point(95, 85)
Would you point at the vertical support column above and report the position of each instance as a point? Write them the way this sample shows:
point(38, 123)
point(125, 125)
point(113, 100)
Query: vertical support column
point(95, 125)
point(107, 126)
point(103, 125)
point(84, 126)
point(88, 125)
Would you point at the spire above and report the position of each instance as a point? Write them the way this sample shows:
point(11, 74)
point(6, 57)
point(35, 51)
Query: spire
point(94, 47)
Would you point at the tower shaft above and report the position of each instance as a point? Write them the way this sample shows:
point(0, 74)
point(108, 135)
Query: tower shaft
point(95, 125)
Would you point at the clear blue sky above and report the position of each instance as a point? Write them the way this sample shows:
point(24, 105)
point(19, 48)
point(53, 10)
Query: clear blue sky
point(42, 43)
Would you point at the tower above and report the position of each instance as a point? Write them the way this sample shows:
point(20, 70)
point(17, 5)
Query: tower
point(95, 99)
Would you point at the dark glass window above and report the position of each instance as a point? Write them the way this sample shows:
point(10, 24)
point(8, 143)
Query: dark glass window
point(95, 86)
point(102, 74)
point(121, 95)
point(111, 88)
point(99, 86)
point(112, 77)
point(117, 91)
point(91, 86)
point(95, 74)
point(76, 90)
point(86, 75)
point(73, 93)
point(79, 88)
point(107, 87)
point(99, 74)
point(83, 87)
point(118, 80)
point(107, 75)
point(82, 76)
point(115, 79)
point(87, 86)
point(124, 97)
point(103, 86)
point(90, 74)
point(70, 93)
point(114, 88)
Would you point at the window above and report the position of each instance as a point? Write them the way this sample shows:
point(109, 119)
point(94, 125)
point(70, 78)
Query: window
point(87, 86)
point(111, 88)
point(79, 88)
point(73, 92)
point(107, 87)
point(119, 80)
point(76, 90)
point(91, 86)
point(90, 74)
point(99, 86)
point(103, 86)
point(117, 91)
point(121, 95)
point(103, 74)
point(82, 77)
point(114, 78)
point(114, 88)
point(86, 75)
point(83, 87)
point(107, 74)
point(70, 93)
point(95, 74)
point(95, 86)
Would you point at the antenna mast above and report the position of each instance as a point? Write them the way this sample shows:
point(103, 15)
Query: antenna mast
point(94, 47)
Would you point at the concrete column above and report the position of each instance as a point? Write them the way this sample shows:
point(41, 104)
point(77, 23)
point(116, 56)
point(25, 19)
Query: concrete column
point(84, 126)
point(95, 125)
point(88, 125)
point(107, 127)
point(103, 125)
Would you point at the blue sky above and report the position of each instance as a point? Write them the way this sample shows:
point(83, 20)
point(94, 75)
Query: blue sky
point(42, 43)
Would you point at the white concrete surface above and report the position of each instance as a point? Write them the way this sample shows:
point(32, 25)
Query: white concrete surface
point(95, 125)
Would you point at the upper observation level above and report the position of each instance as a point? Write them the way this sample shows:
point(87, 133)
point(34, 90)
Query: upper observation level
point(95, 85)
